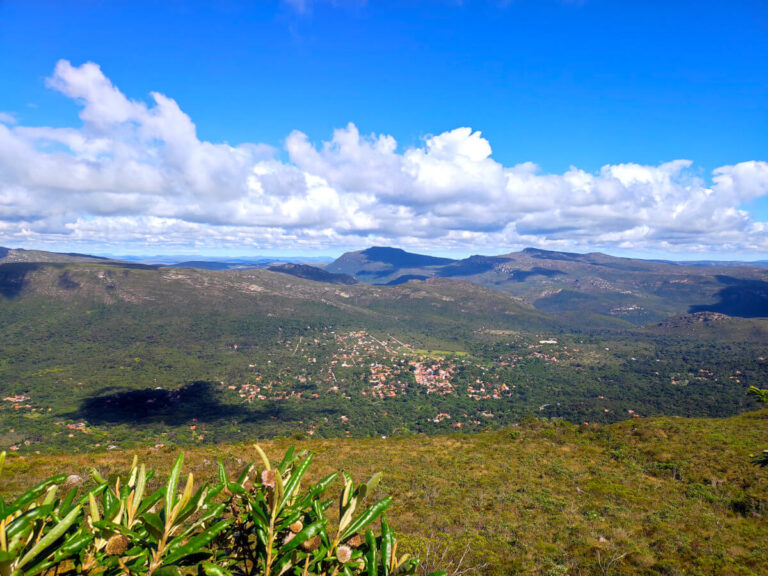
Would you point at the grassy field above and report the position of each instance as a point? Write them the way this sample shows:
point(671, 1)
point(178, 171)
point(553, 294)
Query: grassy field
point(647, 496)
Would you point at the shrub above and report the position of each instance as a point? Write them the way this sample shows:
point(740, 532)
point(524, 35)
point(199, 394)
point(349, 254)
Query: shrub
point(262, 523)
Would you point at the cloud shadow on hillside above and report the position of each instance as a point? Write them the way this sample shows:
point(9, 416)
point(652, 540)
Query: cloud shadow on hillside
point(740, 297)
point(13, 277)
point(198, 400)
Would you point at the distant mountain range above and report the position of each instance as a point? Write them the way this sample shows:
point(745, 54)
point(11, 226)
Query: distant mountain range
point(581, 288)
point(634, 290)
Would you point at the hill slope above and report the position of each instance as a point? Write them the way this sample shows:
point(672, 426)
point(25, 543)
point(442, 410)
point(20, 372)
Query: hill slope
point(243, 353)
point(313, 273)
point(655, 496)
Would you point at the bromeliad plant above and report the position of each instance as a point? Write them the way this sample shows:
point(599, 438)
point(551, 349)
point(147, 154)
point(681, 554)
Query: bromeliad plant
point(261, 524)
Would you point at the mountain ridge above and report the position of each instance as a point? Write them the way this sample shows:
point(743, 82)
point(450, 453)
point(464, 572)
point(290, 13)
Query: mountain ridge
point(640, 291)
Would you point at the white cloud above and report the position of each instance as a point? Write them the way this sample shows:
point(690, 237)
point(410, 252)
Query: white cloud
point(135, 174)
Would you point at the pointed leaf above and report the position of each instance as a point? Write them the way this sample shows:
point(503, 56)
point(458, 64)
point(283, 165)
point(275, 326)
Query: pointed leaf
point(51, 537)
point(141, 483)
point(286, 461)
point(263, 456)
point(367, 517)
point(387, 543)
point(371, 560)
point(293, 482)
point(196, 543)
point(172, 485)
point(94, 508)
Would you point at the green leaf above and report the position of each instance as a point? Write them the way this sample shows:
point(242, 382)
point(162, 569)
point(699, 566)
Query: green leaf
point(141, 482)
point(387, 544)
point(367, 517)
point(236, 488)
point(34, 493)
point(55, 533)
point(196, 543)
point(370, 554)
point(286, 461)
point(168, 571)
point(98, 477)
point(210, 569)
point(95, 492)
point(172, 485)
point(149, 502)
point(288, 520)
point(153, 524)
point(110, 502)
point(215, 512)
point(243, 478)
point(23, 524)
point(307, 533)
point(73, 545)
point(67, 504)
point(40, 567)
point(263, 457)
point(318, 510)
point(295, 479)
point(321, 486)
point(373, 482)
point(195, 503)
point(223, 474)
point(111, 528)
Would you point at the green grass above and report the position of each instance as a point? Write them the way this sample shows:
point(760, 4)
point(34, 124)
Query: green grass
point(666, 495)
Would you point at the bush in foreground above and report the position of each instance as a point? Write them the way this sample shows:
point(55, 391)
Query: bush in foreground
point(261, 523)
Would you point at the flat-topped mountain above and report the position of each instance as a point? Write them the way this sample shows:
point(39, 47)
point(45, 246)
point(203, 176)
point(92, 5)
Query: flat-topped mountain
point(381, 265)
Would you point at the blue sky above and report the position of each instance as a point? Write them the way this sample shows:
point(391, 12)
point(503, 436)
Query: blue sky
point(603, 97)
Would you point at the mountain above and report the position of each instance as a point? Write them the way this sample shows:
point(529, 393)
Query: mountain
point(234, 263)
point(381, 265)
point(580, 286)
point(313, 273)
point(11, 255)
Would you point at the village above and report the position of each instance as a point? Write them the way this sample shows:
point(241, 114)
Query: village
point(333, 380)
point(357, 364)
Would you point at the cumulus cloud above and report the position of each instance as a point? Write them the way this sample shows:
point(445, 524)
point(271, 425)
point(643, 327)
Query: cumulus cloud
point(135, 175)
